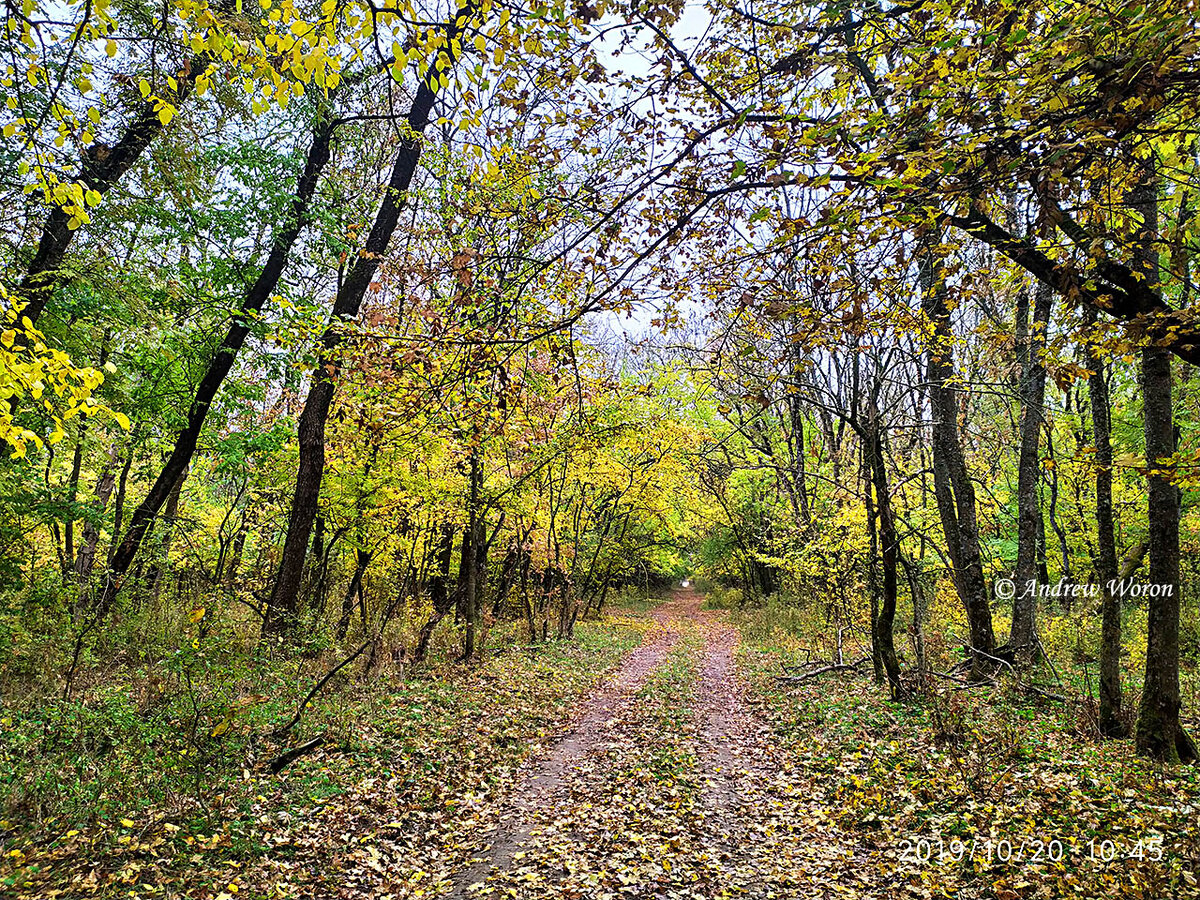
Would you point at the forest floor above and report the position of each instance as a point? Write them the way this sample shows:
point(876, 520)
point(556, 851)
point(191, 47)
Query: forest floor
point(657, 757)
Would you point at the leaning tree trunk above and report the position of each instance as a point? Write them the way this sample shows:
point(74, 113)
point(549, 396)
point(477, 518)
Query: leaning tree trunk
point(101, 169)
point(282, 605)
point(953, 490)
point(1159, 733)
point(1023, 636)
point(222, 362)
point(354, 592)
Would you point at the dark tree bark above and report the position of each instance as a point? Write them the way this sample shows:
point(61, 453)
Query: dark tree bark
point(526, 597)
point(318, 541)
point(102, 168)
point(235, 556)
point(282, 605)
point(872, 568)
point(119, 502)
point(953, 490)
point(1023, 636)
point(222, 362)
point(1111, 723)
point(473, 566)
point(68, 555)
point(362, 559)
point(167, 536)
point(439, 591)
point(1159, 733)
point(508, 575)
point(888, 553)
point(86, 559)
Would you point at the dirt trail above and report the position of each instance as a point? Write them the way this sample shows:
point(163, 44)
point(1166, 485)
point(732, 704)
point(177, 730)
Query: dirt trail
point(675, 792)
point(541, 779)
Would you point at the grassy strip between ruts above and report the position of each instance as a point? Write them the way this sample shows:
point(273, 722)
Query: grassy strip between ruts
point(980, 792)
point(411, 759)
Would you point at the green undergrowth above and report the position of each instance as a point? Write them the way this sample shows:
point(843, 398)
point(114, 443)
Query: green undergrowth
point(978, 791)
point(114, 791)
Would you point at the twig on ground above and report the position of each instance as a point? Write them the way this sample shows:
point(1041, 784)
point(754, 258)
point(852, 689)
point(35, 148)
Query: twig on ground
point(835, 667)
point(287, 757)
point(1042, 692)
point(963, 681)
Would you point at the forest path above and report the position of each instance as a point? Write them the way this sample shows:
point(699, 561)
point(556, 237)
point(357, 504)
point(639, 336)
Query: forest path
point(666, 787)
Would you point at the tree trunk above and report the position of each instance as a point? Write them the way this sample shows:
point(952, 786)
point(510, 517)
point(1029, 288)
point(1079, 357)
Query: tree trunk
point(888, 553)
point(222, 362)
point(953, 490)
point(1111, 723)
point(474, 550)
point(318, 541)
point(281, 606)
point(235, 556)
point(170, 515)
point(68, 557)
point(86, 559)
point(119, 502)
point(1159, 733)
point(1023, 636)
point(439, 592)
point(530, 619)
point(102, 168)
point(872, 556)
point(362, 559)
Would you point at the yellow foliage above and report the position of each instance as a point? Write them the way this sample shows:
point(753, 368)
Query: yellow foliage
point(34, 375)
